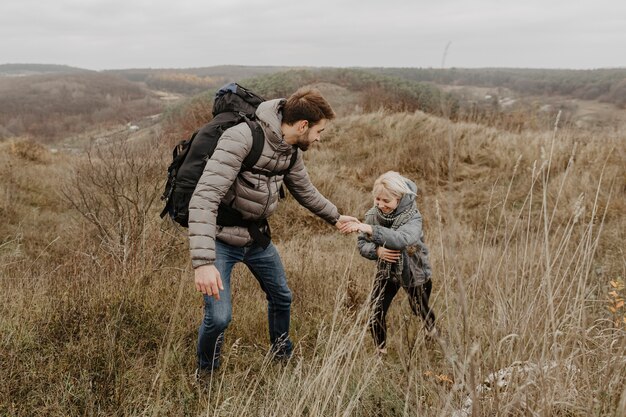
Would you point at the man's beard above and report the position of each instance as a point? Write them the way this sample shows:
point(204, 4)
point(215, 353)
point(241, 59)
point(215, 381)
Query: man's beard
point(302, 143)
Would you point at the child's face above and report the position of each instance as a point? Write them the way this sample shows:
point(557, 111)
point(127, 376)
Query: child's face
point(385, 201)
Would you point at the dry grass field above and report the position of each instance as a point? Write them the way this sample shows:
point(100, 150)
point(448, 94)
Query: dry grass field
point(99, 316)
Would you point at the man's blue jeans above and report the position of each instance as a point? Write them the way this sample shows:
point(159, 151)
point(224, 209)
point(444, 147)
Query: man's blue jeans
point(266, 266)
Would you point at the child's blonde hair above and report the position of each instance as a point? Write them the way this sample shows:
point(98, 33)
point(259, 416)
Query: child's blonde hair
point(392, 182)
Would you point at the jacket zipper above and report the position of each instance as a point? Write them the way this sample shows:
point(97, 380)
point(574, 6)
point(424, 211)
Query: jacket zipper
point(269, 197)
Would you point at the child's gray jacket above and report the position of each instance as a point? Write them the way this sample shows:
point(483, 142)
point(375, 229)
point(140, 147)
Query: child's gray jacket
point(408, 238)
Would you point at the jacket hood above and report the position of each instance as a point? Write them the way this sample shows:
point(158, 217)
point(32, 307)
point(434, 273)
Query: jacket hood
point(269, 114)
point(407, 200)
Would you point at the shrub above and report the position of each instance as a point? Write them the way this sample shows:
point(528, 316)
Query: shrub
point(29, 150)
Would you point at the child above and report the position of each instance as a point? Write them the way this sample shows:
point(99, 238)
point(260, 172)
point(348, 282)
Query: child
point(392, 235)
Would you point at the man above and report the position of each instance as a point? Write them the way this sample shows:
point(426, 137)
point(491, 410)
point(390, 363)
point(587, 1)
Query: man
point(238, 231)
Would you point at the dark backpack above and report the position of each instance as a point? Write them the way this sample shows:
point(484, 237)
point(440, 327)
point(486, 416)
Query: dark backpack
point(233, 105)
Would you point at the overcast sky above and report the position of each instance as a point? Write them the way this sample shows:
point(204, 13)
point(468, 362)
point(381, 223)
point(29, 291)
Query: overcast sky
point(106, 34)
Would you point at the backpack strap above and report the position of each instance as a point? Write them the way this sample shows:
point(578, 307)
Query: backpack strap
point(294, 158)
point(258, 142)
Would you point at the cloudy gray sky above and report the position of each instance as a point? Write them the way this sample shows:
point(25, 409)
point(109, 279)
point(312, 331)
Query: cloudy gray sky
point(105, 34)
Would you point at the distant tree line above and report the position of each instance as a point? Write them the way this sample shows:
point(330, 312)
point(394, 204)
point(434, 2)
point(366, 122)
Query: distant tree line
point(378, 91)
point(191, 81)
point(375, 92)
point(182, 83)
point(606, 85)
point(31, 69)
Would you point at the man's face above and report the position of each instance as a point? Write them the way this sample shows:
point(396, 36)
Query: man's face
point(311, 134)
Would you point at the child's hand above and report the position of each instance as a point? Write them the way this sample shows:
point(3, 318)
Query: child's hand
point(388, 255)
point(344, 224)
point(344, 228)
point(359, 227)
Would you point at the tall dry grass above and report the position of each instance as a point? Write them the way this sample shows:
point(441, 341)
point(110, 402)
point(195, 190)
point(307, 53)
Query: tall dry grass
point(99, 316)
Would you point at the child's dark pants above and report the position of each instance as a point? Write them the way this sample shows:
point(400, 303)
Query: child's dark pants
point(383, 293)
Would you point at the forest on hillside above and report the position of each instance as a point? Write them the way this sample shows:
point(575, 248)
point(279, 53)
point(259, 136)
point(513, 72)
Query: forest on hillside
point(190, 81)
point(391, 93)
point(606, 85)
point(48, 107)
point(367, 92)
point(51, 106)
point(33, 69)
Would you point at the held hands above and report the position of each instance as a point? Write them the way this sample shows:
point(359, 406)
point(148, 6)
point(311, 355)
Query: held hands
point(349, 224)
point(360, 227)
point(344, 222)
point(208, 280)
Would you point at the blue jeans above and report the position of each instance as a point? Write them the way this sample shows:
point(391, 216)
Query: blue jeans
point(267, 268)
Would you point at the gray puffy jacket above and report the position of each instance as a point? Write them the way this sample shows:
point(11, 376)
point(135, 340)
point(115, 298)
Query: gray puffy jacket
point(255, 196)
point(408, 238)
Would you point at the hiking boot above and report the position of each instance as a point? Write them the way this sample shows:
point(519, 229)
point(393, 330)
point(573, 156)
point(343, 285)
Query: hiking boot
point(202, 376)
point(433, 334)
point(281, 351)
point(280, 356)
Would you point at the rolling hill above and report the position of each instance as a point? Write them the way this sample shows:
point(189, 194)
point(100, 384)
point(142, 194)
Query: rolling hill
point(51, 107)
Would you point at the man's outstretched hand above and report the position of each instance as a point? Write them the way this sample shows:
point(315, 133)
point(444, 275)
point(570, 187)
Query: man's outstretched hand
point(208, 280)
point(344, 223)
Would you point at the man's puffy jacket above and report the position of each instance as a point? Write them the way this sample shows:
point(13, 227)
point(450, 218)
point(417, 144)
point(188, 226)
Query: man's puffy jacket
point(254, 195)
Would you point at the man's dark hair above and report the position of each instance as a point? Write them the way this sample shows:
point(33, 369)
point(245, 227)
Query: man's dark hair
point(307, 104)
